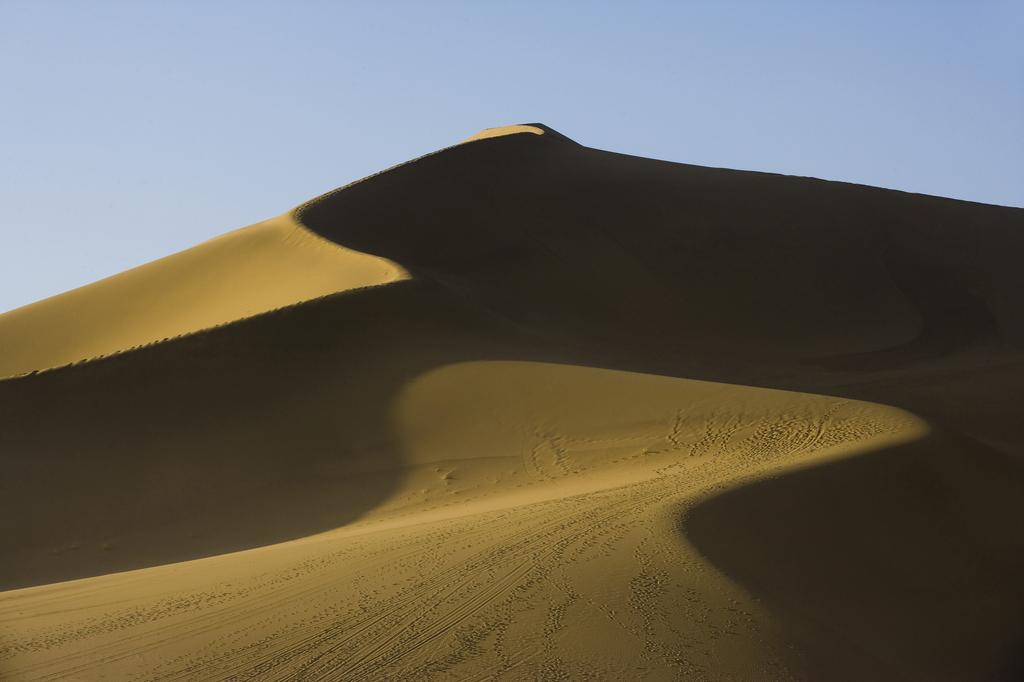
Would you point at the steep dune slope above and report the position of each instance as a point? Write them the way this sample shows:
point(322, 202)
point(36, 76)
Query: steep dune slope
point(249, 271)
point(522, 462)
point(586, 244)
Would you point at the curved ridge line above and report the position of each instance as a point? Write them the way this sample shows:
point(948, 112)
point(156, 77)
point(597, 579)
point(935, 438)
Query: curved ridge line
point(296, 213)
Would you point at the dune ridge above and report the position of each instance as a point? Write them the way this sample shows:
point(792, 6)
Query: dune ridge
point(583, 244)
point(504, 130)
point(594, 417)
point(252, 270)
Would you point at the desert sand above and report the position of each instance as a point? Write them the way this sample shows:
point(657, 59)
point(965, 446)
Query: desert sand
point(525, 410)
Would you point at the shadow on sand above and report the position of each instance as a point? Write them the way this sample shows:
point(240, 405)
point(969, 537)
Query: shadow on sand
point(901, 564)
point(261, 431)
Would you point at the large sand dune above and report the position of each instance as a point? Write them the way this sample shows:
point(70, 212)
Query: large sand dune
point(521, 410)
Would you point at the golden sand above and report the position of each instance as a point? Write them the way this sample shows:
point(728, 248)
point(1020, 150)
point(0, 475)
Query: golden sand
point(534, 530)
point(503, 130)
point(258, 268)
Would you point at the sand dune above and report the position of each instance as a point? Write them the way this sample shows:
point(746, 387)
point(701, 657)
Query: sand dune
point(604, 418)
point(243, 273)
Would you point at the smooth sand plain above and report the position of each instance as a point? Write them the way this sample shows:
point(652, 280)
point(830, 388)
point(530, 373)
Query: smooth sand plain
point(525, 410)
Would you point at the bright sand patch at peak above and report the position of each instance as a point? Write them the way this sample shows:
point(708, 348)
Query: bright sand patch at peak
point(503, 130)
point(246, 272)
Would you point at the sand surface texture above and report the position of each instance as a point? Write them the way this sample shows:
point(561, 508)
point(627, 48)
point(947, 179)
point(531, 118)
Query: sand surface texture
point(524, 410)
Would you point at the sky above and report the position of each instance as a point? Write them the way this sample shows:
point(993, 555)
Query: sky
point(132, 130)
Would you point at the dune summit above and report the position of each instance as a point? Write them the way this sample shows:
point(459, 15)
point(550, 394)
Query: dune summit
point(525, 410)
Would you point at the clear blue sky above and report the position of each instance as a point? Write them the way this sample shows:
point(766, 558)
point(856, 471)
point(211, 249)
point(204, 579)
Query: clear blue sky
point(131, 130)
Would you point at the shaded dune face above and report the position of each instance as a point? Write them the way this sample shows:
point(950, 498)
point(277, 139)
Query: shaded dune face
point(263, 431)
point(913, 553)
point(581, 243)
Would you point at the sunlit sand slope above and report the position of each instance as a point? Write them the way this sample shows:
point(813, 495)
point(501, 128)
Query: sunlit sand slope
point(509, 519)
point(249, 271)
point(623, 419)
point(534, 533)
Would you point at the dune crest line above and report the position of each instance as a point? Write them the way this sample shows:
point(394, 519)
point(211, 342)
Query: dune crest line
point(246, 272)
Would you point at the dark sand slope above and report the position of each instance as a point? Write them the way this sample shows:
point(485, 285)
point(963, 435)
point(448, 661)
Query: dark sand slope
point(641, 254)
point(269, 429)
point(904, 561)
point(516, 462)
